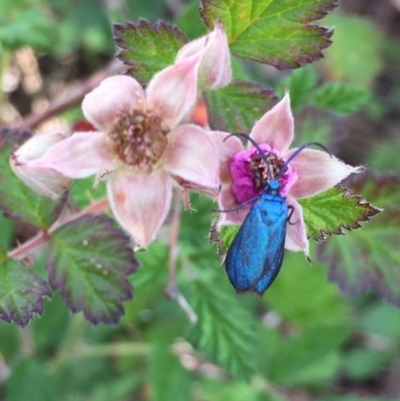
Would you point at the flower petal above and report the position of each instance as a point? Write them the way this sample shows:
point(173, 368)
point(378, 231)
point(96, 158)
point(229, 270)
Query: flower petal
point(215, 69)
point(317, 171)
point(227, 149)
point(140, 202)
point(276, 127)
point(227, 201)
point(172, 92)
point(192, 156)
point(115, 95)
point(44, 181)
point(296, 235)
point(81, 155)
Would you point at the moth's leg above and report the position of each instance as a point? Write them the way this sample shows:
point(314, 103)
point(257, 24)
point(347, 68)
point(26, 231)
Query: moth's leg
point(291, 211)
point(235, 209)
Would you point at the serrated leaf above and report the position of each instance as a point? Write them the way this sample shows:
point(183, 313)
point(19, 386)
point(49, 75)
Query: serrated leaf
point(341, 99)
point(341, 62)
point(170, 381)
point(90, 261)
point(273, 32)
point(333, 211)
point(300, 84)
point(16, 199)
point(369, 259)
point(223, 237)
point(224, 331)
point(238, 106)
point(21, 292)
point(307, 351)
point(148, 48)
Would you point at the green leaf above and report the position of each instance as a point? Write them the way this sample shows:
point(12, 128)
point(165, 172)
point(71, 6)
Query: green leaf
point(273, 32)
point(333, 211)
point(189, 21)
point(297, 361)
point(170, 381)
point(300, 84)
point(26, 24)
point(225, 329)
point(224, 237)
point(148, 48)
point(90, 262)
point(369, 259)
point(341, 62)
point(238, 106)
point(21, 292)
point(382, 320)
point(31, 381)
point(314, 301)
point(16, 199)
point(341, 99)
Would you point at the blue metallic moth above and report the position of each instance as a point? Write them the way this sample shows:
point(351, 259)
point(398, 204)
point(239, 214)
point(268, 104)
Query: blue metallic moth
point(255, 256)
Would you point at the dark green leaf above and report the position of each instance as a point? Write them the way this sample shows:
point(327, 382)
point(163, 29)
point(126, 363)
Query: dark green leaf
point(148, 48)
point(90, 262)
point(300, 84)
point(170, 381)
point(341, 99)
point(333, 211)
point(21, 292)
point(238, 106)
point(225, 329)
point(16, 199)
point(273, 32)
point(370, 258)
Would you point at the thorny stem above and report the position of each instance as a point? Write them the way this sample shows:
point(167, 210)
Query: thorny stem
point(44, 235)
point(73, 97)
point(171, 290)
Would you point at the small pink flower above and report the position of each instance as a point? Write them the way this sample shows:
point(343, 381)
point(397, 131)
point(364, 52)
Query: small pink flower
point(45, 181)
point(244, 174)
point(140, 146)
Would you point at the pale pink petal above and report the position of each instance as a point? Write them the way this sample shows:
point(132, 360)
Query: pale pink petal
point(140, 202)
point(81, 155)
point(192, 155)
point(276, 127)
point(317, 171)
point(227, 201)
point(227, 149)
point(172, 92)
point(44, 181)
point(215, 69)
point(296, 235)
point(115, 96)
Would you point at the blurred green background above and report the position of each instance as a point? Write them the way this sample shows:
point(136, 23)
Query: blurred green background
point(304, 340)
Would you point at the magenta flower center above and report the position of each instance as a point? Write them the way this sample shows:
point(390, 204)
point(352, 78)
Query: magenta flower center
point(139, 139)
point(250, 174)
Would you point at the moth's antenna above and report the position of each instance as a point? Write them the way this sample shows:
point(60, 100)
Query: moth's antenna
point(260, 151)
point(300, 149)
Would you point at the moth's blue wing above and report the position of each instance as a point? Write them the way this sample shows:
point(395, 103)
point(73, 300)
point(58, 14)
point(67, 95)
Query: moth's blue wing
point(255, 255)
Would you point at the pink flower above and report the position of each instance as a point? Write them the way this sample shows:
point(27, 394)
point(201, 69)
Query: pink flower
point(140, 146)
point(243, 174)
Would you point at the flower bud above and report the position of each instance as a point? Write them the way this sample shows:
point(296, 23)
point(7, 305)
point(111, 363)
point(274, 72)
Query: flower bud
point(45, 181)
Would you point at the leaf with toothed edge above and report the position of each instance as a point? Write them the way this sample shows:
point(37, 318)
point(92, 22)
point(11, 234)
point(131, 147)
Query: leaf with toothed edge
point(90, 262)
point(148, 48)
point(369, 259)
point(333, 211)
point(236, 107)
point(21, 292)
point(16, 199)
point(276, 32)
